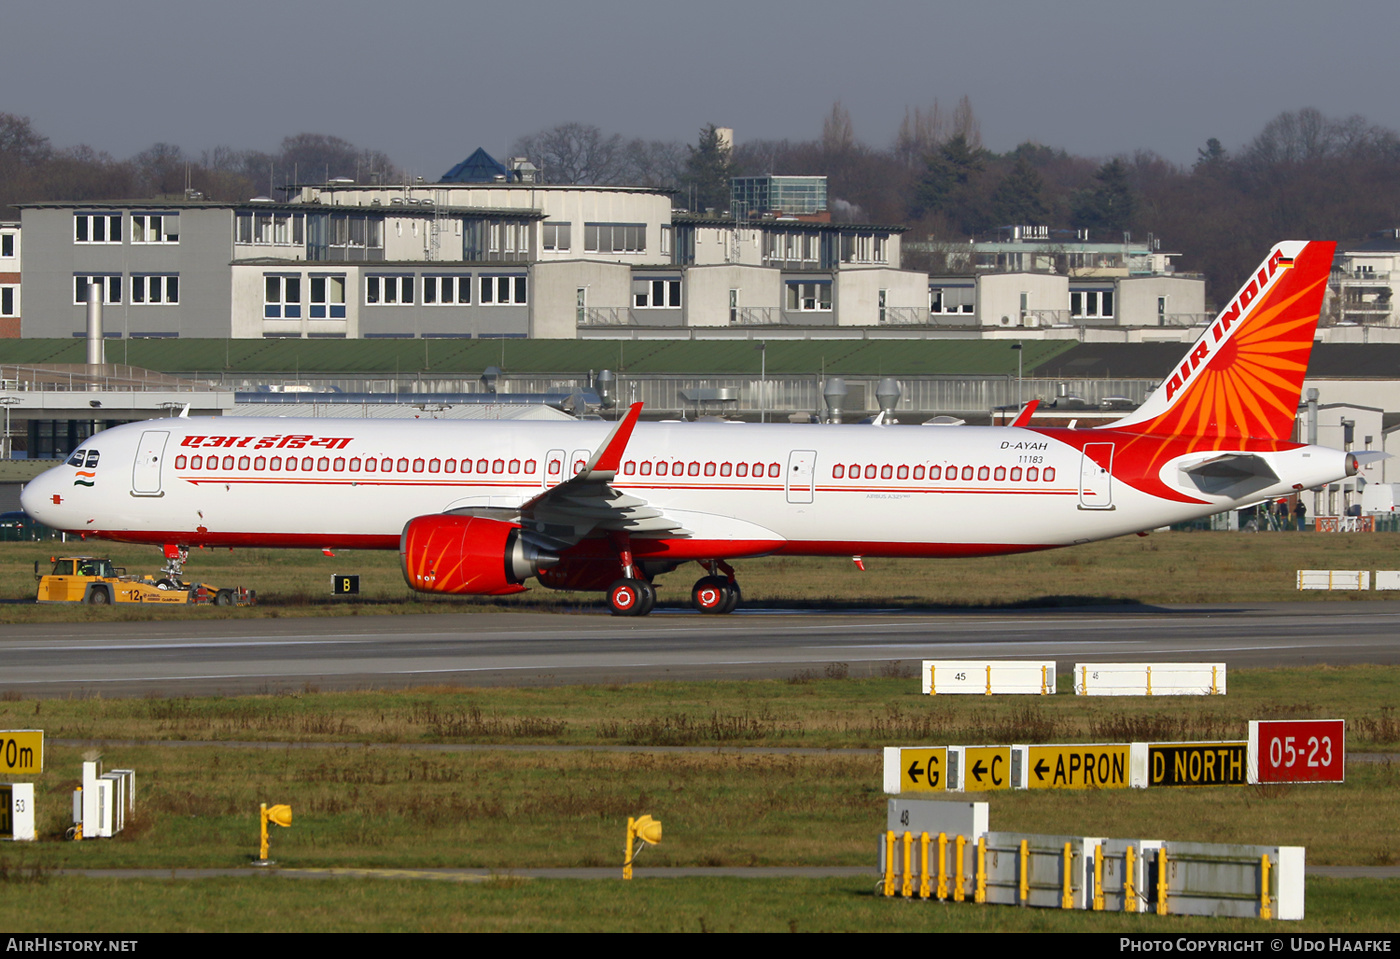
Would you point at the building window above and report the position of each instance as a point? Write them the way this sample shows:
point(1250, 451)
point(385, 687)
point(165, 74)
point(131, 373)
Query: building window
point(447, 290)
point(951, 299)
point(389, 290)
point(155, 228)
point(1091, 303)
point(791, 247)
point(159, 289)
point(7, 245)
point(615, 237)
point(9, 301)
point(328, 297)
point(555, 237)
point(97, 228)
point(503, 290)
point(111, 284)
point(271, 229)
point(281, 297)
point(809, 297)
point(656, 294)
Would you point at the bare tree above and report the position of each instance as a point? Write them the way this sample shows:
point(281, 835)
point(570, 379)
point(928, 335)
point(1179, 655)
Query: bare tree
point(659, 164)
point(838, 135)
point(966, 124)
point(919, 135)
point(575, 153)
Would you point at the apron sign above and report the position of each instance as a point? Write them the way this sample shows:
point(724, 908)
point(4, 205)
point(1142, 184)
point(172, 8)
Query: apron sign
point(1097, 766)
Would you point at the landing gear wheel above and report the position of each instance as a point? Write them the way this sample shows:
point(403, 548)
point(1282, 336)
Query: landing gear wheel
point(709, 594)
point(732, 598)
point(627, 597)
point(648, 598)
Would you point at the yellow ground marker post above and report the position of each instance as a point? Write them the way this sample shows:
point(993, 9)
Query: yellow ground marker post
point(980, 893)
point(942, 866)
point(959, 891)
point(1265, 909)
point(1024, 887)
point(1067, 895)
point(1161, 880)
point(923, 866)
point(889, 862)
point(1130, 903)
point(1098, 878)
point(906, 885)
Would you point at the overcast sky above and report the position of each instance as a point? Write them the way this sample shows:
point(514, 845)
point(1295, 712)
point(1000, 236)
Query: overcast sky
point(428, 81)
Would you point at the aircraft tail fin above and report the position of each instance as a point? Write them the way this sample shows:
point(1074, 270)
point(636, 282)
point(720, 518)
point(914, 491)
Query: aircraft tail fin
point(1243, 376)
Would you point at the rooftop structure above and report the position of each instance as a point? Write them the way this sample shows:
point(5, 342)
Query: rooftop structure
point(780, 195)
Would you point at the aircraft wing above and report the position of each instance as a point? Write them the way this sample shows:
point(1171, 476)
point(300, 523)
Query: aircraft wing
point(564, 514)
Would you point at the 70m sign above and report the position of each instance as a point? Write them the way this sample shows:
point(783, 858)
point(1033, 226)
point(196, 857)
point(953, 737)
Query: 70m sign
point(1297, 751)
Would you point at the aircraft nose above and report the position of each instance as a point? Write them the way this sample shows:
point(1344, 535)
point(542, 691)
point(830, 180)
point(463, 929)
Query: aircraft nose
point(42, 499)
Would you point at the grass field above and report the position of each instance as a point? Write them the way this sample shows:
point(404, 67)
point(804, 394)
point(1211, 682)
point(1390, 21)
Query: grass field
point(1172, 567)
point(369, 791)
point(505, 904)
point(403, 804)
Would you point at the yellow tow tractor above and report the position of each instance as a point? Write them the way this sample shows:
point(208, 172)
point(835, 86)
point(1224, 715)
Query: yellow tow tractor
point(94, 580)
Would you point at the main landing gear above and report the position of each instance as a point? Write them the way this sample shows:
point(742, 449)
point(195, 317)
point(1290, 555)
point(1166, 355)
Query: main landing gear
point(715, 594)
point(633, 595)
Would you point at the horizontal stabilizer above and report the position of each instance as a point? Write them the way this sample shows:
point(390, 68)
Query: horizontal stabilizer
point(1230, 474)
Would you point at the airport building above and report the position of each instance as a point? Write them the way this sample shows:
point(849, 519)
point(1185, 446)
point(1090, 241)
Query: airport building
point(1362, 288)
point(9, 279)
point(490, 252)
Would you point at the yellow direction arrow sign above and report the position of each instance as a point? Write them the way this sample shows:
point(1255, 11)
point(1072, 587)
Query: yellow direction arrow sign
point(986, 768)
point(1096, 766)
point(922, 770)
point(21, 752)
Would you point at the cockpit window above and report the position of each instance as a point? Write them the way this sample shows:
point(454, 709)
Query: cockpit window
point(77, 458)
point(91, 459)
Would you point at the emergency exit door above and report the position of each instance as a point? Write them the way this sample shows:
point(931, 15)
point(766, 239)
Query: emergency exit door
point(1096, 476)
point(801, 475)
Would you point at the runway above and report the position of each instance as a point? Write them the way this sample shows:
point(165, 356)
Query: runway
point(191, 655)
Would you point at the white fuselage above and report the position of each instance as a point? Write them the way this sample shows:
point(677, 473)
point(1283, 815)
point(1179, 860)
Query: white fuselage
point(736, 489)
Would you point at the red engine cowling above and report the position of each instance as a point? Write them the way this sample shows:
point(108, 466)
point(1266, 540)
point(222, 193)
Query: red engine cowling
point(468, 555)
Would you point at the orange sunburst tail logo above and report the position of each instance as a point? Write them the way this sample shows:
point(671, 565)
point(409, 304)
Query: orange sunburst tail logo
point(1242, 377)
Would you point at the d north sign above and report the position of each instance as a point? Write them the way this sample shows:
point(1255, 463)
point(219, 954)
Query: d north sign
point(1197, 764)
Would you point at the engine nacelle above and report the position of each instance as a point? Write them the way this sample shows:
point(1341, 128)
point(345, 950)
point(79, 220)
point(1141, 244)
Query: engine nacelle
point(468, 555)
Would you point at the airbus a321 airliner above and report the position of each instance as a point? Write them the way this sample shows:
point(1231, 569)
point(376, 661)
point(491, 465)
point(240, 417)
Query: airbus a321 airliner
point(479, 508)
